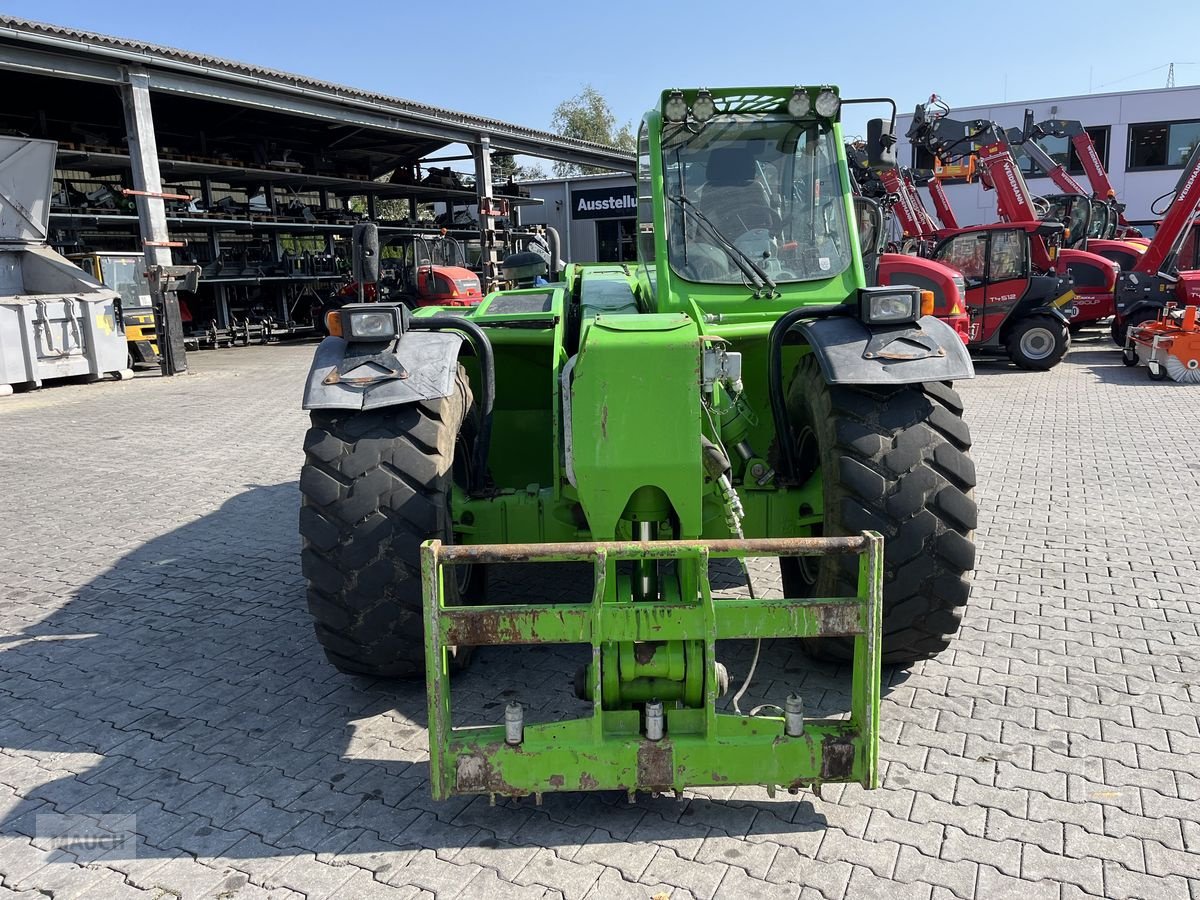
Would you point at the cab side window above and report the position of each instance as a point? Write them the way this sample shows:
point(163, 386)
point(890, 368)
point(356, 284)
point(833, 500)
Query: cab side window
point(645, 208)
point(645, 211)
point(1007, 256)
point(967, 253)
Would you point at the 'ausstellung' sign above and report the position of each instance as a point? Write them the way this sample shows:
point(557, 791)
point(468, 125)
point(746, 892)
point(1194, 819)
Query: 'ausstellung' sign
point(604, 203)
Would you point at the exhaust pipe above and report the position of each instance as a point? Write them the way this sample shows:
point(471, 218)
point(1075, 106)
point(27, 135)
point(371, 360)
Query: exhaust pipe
point(556, 262)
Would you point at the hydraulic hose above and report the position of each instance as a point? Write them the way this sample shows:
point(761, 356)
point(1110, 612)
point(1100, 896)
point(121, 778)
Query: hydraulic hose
point(1154, 204)
point(784, 324)
point(479, 342)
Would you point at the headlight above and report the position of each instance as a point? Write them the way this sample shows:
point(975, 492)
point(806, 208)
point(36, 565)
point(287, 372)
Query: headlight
point(889, 306)
point(827, 104)
point(675, 109)
point(363, 322)
point(800, 104)
point(372, 326)
point(704, 108)
point(890, 309)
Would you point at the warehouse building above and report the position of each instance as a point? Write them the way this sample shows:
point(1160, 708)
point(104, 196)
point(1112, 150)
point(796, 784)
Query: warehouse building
point(1143, 139)
point(596, 215)
point(254, 176)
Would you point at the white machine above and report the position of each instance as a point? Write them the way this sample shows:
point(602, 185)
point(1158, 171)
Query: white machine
point(55, 321)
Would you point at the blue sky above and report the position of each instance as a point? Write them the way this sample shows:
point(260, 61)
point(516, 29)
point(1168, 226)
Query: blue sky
point(516, 65)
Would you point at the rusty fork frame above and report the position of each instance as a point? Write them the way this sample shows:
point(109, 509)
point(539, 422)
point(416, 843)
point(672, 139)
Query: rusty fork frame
point(692, 744)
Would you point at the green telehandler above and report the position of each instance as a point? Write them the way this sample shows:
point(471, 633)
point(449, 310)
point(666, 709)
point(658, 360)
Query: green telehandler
point(745, 390)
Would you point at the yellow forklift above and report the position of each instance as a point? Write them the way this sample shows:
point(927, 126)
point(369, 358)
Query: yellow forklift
point(125, 273)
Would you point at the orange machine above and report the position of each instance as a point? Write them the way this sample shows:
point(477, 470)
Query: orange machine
point(1169, 345)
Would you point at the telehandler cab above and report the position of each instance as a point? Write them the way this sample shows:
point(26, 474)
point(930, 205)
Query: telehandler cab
point(739, 392)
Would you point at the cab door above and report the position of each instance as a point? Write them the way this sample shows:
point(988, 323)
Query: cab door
point(968, 253)
point(408, 269)
point(1007, 276)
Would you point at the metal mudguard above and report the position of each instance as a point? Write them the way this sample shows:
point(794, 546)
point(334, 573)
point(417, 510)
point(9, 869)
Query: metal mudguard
point(849, 352)
point(428, 360)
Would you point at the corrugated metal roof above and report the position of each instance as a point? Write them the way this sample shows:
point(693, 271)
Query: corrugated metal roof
point(154, 54)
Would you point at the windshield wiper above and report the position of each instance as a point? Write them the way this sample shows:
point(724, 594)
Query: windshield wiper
point(745, 263)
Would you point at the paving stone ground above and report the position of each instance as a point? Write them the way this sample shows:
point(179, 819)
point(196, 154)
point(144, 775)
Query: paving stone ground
point(159, 678)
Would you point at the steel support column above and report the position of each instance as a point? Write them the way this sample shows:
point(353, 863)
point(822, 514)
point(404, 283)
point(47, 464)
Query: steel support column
point(152, 213)
point(489, 260)
point(143, 159)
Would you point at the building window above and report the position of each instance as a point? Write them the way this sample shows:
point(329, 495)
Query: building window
point(1056, 147)
point(1061, 150)
point(1162, 145)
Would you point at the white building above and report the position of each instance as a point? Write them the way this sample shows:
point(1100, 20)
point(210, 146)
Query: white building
point(1143, 138)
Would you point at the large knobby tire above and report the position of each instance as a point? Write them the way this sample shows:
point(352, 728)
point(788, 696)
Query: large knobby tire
point(1038, 342)
point(893, 460)
point(374, 486)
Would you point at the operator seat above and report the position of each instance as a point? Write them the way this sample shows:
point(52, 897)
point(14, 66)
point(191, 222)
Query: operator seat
point(730, 196)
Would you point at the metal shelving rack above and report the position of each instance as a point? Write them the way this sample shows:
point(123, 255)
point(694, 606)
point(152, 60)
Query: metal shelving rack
point(204, 234)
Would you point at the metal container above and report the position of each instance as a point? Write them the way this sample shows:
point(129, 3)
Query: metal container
point(55, 320)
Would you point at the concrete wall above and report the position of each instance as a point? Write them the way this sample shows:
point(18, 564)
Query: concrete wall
point(560, 199)
point(1137, 190)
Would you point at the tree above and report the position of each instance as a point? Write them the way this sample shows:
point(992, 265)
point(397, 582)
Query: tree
point(386, 209)
point(587, 117)
point(504, 167)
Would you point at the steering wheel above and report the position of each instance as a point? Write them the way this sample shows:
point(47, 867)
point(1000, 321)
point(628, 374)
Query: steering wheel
point(747, 216)
point(704, 265)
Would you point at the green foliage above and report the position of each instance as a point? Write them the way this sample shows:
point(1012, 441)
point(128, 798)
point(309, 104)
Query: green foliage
point(390, 209)
point(386, 209)
point(505, 167)
point(587, 117)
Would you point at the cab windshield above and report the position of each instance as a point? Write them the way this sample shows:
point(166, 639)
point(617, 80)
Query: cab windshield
point(750, 192)
point(127, 277)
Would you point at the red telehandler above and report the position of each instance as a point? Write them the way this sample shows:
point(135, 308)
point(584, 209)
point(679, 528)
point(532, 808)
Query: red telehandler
point(913, 217)
point(1011, 309)
point(1154, 272)
point(1013, 306)
point(1158, 278)
point(1089, 158)
point(1093, 277)
point(916, 224)
point(941, 203)
point(905, 264)
point(1097, 220)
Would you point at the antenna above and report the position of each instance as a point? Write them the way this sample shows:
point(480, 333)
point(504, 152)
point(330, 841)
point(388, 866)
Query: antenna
point(1170, 67)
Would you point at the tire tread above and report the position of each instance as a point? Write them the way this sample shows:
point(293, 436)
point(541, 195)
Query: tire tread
point(913, 484)
point(373, 488)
